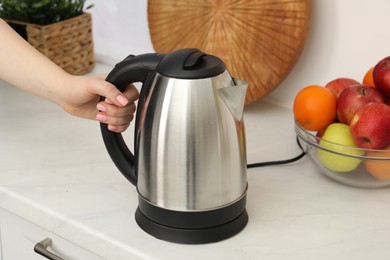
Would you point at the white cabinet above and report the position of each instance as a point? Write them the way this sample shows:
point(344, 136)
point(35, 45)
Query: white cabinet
point(18, 238)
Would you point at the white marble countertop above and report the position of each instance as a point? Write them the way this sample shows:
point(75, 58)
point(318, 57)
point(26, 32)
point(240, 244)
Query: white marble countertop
point(55, 172)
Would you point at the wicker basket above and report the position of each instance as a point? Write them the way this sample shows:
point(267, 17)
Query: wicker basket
point(68, 43)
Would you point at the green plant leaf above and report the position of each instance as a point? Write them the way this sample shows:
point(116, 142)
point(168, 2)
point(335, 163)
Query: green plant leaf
point(41, 11)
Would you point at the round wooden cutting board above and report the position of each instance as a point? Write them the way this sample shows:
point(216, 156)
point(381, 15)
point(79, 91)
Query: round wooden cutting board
point(259, 40)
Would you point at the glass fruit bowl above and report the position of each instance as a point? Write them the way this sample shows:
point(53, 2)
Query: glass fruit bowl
point(352, 166)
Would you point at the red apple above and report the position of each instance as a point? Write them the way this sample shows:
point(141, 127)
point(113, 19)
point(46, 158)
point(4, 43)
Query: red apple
point(354, 98)
point(381, 76)
point(370, 127)
point(338, 85)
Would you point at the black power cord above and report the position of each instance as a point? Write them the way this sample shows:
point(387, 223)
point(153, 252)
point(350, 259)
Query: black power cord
point(261, 164)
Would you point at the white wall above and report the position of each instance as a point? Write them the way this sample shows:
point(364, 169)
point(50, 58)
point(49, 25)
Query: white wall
point(345, 39)
point(120, 28)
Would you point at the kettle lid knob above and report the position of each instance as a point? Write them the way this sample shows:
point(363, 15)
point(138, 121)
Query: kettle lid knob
point(190, 63)
point(193, 59)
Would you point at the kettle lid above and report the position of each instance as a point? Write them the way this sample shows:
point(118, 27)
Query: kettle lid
point(190, 63)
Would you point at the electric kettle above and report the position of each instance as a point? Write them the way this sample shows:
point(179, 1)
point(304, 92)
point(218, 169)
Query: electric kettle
point(189, 158)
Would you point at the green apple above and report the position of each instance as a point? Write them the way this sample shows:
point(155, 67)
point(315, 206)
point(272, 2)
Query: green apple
point(337, 137)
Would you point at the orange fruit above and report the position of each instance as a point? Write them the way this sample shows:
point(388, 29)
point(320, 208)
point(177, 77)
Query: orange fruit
point(315, 107)
point(368, 78)
point(380, 169)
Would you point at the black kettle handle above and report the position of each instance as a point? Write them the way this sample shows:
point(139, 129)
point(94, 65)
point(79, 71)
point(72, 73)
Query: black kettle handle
point(130, 70)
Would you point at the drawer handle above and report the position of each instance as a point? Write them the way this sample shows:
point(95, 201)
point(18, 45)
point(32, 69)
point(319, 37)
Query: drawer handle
point(41, 248)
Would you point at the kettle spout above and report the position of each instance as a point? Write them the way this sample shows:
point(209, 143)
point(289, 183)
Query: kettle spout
point(234, 97)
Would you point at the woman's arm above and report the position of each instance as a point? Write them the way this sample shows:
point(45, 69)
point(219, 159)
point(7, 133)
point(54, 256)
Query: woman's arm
point(26, 68)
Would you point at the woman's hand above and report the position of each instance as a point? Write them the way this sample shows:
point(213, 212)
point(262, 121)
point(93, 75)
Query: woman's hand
point(82, 100)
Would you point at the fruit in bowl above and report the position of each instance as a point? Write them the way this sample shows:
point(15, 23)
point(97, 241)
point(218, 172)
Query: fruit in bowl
point(338, 85)
point(380, 169)
point(346, 164)
point(346, 127)
point(381, 76)
point(337, 137)
point(370, 127)
point(354, 98)
point(315, 107)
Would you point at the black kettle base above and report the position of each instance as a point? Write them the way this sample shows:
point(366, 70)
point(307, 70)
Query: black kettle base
point(192, 236)
point(192, 227)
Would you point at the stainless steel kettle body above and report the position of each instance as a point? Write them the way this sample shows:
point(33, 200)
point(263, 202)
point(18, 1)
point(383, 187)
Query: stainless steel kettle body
point(189, 162)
